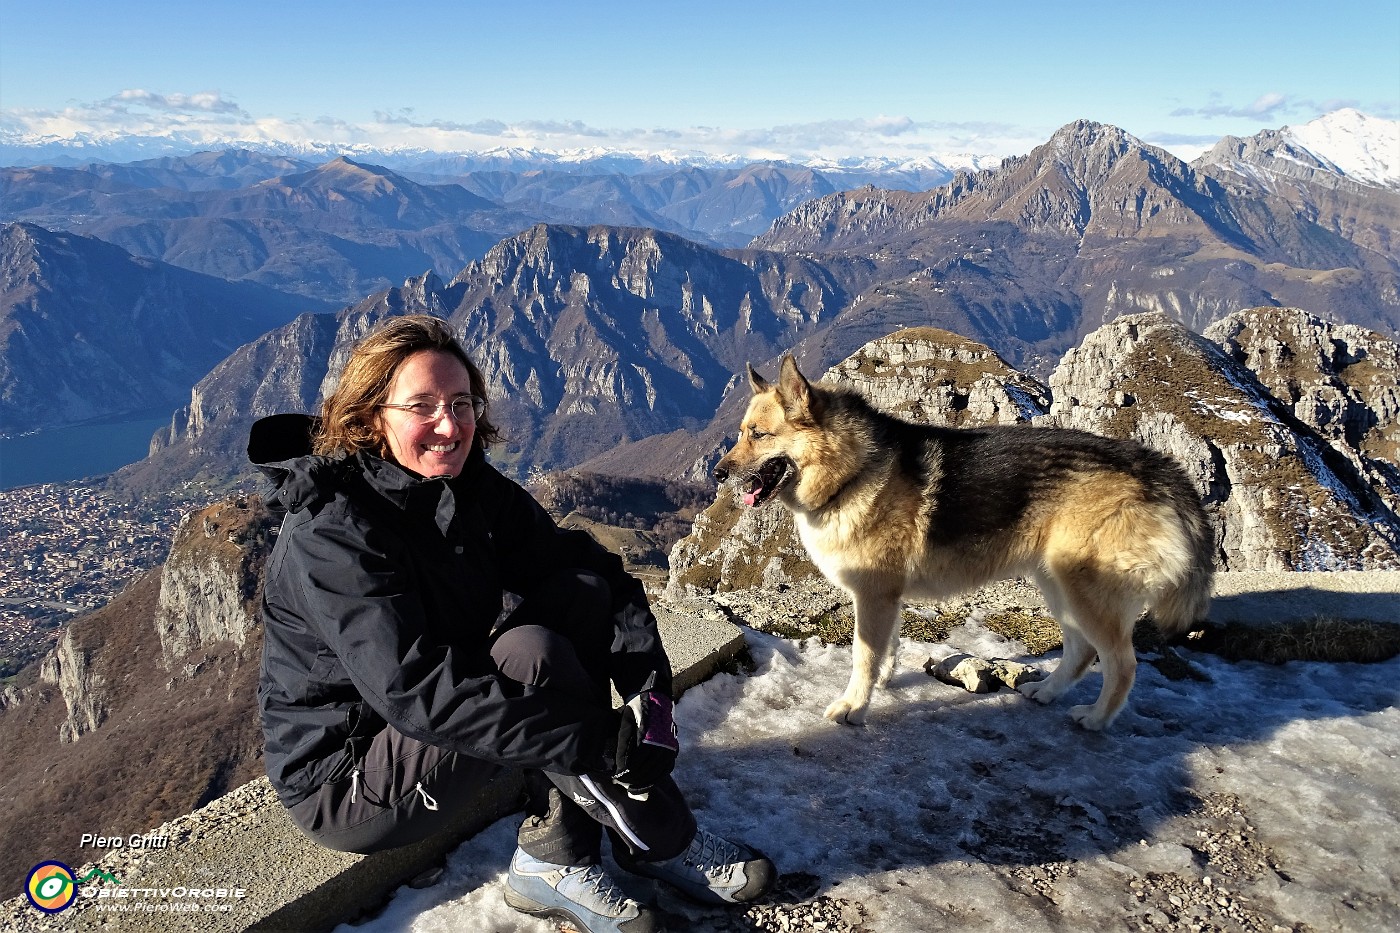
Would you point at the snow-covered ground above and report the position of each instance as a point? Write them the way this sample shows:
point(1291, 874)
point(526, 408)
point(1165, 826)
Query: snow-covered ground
point(1266, 798)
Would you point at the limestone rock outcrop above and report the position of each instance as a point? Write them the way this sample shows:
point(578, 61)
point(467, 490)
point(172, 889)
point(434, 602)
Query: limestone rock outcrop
point(211, 581)
point(1281, 496)
point(86, 693)
point(1340, 380)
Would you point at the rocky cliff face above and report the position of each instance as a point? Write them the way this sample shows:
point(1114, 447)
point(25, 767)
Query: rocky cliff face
point(86, 693)
point(1281, 496)
point(210, 583)
point(147, 707)
point(1340, 380)
point(209, 591)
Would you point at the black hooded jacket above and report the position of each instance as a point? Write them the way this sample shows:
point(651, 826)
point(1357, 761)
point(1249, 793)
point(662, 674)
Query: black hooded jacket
point(379, 596)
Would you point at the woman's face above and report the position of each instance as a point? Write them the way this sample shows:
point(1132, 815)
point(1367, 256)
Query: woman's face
point(439, 447)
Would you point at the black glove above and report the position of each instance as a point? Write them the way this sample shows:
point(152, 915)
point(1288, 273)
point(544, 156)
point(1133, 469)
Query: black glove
point(646, 742)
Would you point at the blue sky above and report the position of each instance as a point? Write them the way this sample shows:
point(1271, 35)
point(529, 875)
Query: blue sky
point(755, 78)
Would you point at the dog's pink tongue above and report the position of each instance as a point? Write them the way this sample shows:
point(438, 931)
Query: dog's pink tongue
point(751, 496)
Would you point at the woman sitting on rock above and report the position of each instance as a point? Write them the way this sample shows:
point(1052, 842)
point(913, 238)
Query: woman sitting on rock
point(392, 689)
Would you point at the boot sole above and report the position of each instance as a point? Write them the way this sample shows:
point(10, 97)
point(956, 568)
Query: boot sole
point(534, 908)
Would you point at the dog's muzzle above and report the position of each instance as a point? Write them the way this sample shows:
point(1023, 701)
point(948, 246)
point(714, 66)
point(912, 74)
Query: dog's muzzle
point(764, 482)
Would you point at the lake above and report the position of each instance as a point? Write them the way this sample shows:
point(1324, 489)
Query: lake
point(75, 451)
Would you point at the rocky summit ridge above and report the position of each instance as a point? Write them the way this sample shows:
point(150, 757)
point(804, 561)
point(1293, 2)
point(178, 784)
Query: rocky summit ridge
point(1287, 486)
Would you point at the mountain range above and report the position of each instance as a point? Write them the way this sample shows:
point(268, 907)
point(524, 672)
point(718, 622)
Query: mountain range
point(343, 229)
point(88, 330)
point(623, 343)
point(600, 335)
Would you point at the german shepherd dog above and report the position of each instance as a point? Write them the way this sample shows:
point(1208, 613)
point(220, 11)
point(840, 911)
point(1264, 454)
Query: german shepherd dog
point(888, 509)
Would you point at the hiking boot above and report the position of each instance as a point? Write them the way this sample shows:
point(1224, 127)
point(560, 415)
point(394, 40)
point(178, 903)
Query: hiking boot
point(711, 870)
point(581, 895)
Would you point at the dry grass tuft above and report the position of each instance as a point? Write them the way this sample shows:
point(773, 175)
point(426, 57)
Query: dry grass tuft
point(1036, 630)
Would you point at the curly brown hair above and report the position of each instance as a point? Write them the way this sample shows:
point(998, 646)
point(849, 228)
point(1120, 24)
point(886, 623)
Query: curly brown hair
point(349, 415)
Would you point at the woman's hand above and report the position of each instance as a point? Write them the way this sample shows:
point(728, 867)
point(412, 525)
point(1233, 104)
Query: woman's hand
point(646, 742)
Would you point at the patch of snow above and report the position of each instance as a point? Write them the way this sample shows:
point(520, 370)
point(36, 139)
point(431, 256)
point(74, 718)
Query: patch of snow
point(957, 811)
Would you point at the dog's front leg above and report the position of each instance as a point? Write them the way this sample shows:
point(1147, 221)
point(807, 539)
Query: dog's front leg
point(877, 620)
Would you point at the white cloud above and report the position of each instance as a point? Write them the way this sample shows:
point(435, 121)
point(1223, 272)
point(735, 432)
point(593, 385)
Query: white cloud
point(202, 102)
point(1274, 107)
point(208, 118)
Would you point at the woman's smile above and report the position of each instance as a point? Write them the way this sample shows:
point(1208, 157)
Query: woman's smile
point(431, 380)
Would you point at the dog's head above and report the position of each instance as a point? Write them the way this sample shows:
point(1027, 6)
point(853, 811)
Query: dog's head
point(767, 458)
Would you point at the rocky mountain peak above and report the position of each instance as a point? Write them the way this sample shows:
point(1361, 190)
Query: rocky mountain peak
point(1267, 152)
point(1345, 150)
point(1085, 142)
point(1090, 180)
point(342, 173)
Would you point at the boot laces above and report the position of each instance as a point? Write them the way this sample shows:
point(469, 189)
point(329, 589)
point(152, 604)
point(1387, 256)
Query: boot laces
point(711, 854)
point(597, 881)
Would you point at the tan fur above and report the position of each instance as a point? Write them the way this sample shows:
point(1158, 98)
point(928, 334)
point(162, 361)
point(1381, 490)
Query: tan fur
point(1101, 546)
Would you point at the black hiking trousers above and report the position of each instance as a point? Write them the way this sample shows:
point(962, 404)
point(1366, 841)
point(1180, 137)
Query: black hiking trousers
point(405, 790)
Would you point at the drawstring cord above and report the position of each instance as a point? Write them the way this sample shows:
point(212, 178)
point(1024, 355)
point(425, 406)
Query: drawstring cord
point(428, 800)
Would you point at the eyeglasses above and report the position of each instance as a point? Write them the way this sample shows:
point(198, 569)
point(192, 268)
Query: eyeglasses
point(466, 409)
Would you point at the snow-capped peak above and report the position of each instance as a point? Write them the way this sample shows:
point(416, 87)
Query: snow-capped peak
point(1362, 147)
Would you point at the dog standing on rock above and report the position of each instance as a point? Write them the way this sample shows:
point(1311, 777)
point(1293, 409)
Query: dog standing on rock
point(888, 509)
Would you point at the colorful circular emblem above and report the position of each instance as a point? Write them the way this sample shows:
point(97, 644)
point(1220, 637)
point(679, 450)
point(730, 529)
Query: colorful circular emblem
point(51, 886)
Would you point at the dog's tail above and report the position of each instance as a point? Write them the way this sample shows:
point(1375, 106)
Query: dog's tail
point(1185, 600)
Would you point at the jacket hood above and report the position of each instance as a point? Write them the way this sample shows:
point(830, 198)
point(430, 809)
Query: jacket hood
point(280, 446)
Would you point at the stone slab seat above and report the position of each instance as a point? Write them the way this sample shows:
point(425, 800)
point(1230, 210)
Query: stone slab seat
point(246, 840)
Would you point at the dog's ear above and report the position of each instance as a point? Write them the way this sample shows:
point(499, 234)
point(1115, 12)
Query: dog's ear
point(756, 382)
point(795, 390)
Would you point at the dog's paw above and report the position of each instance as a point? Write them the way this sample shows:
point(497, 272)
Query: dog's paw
point(1088, 717)
point(1037, 690)
point(845, 711)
